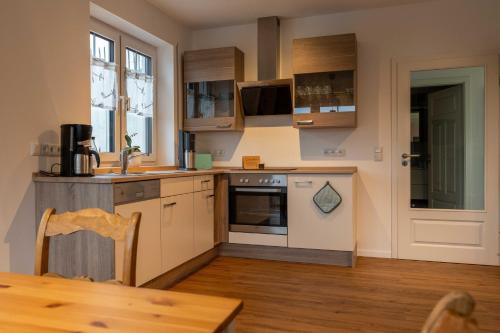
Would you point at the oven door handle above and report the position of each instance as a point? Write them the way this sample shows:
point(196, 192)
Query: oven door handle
point(257, 190)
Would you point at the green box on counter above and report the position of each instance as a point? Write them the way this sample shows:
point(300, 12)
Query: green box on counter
point(203, 161)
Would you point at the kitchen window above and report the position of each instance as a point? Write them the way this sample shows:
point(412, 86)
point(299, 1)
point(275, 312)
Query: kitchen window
point(123, 92)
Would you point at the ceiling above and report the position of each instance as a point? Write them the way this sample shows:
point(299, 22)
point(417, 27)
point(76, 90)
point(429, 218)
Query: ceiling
point(199, 14)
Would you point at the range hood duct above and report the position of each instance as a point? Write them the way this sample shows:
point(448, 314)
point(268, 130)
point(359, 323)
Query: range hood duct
point(269, 95)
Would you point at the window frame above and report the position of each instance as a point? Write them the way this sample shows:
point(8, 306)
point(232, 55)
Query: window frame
point(122, 41)
point(135, 44)
point(112, 34)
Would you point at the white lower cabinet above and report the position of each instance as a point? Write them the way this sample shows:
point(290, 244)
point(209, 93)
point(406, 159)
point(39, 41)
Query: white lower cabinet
point(149, 259)
point(203, 221)
point(308, 226)
point(177, 230)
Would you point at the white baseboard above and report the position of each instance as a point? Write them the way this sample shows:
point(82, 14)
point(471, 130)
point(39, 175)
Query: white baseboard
point(373, 253)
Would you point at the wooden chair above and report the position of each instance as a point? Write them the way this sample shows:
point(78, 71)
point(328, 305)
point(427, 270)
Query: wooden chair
point(97, 220)
point(452, 314)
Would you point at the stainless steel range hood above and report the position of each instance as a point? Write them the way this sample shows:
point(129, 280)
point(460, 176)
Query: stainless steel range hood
point(269, 95)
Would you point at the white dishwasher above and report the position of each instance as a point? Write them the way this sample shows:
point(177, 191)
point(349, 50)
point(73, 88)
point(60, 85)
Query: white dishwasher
point(143, 197)
point(311, 228)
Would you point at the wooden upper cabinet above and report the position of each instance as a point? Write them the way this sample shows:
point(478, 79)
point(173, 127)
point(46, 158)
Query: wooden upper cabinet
point(324, 54)
point(211, 101)
point(325, 89)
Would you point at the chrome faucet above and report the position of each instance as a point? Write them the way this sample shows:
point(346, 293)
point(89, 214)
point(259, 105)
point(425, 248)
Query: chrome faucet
point(124, 161)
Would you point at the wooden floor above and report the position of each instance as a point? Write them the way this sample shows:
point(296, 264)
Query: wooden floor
point(379, 295)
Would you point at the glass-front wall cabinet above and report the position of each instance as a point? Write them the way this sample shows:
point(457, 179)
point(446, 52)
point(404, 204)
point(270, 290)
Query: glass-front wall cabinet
point(324, 71)
point(211, 102)
point(324, 92)
point(209, 99)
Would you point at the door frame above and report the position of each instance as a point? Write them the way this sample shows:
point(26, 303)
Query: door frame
point(492, 125)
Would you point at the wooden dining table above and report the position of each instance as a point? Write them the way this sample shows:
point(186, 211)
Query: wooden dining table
point(45, 304)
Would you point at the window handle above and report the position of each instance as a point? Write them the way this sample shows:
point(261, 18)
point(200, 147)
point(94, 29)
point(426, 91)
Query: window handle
point(125, 103)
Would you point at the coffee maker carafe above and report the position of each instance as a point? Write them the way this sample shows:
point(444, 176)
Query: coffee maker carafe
point(76, 154)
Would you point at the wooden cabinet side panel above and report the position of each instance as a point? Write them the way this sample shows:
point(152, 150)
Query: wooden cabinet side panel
point(81, 253)
point(324, 54)
point(209, 65)
point(221, 229)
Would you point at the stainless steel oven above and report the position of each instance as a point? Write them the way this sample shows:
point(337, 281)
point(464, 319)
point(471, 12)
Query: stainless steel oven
point(258, 203)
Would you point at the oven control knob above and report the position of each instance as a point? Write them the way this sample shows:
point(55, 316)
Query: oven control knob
point(277, 181)
point(246, 180)
point(266, 181)
point(261, 180)
point(241, 180)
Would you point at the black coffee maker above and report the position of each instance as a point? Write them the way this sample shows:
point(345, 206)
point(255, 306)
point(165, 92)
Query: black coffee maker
point(76, 155)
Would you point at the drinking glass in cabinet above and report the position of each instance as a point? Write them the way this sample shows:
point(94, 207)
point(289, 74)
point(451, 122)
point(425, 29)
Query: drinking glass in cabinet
point(210, 99)
point(324, 92)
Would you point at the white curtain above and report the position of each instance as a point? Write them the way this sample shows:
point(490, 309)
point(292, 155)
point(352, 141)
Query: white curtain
point(140, 91)
point(103, 84)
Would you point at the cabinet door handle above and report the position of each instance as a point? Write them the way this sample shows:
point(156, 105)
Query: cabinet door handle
point(305, 122)
point(169, 204)
point(303, 182)
point(205, 181)
point(210, 196)
point(223, 125)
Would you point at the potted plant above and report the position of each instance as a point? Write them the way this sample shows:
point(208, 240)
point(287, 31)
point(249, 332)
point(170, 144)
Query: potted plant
point(134, 152)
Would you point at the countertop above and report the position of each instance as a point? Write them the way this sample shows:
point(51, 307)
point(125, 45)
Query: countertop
point(43, 304)
point(169, 172)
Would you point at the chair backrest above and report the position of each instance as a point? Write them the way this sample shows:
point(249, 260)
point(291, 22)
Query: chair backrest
point(97, 220)
point(452, 314)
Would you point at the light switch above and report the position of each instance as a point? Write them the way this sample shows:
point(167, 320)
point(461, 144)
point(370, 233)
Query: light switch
point(378, 154)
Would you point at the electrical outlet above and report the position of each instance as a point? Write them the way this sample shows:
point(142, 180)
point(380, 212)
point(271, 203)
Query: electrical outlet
point(35, 149)
point(334, 152)
point(45, 149)
point(218, 152)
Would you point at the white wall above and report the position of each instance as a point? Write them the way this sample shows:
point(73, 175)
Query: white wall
point(440, 28)
point(44, 83)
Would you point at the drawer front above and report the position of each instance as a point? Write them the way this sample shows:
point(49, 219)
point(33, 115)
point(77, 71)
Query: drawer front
point(203, 183)
point(135, 191)
point(176, 186)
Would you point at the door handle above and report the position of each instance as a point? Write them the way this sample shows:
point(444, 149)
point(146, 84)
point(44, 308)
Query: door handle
point(305, 122)
point(223, 125)
point(169, 204)
point(406, 156)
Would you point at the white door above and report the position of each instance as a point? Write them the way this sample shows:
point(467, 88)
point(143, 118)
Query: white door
point(446, 141)
point(445, 161)
point(149, 242)
point(177, 230)
point(203, 221)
